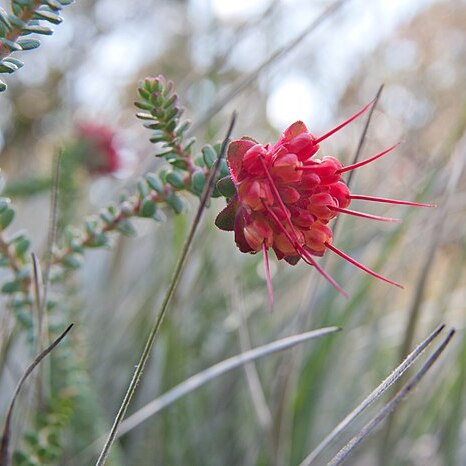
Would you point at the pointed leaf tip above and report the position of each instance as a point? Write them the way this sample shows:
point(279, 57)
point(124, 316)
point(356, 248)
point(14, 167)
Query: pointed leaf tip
point(226, 218)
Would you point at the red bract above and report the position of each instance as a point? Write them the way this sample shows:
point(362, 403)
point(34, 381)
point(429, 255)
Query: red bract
point(285, 198)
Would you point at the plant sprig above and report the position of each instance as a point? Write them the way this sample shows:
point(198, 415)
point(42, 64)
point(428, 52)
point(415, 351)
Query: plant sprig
point(27, 17)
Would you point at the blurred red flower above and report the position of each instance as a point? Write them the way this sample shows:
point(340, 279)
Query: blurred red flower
point(100, 152)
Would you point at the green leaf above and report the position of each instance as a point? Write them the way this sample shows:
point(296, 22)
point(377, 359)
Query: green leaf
point(91, 226)
point(147, 209)
point(176, 179)
point(10, 45)
point(175, 202)
point(72, 261)
point(189, 143)
point(28, 44)
point(183, 128)
point(24, 272)
point(21, 246)
point(209, 155)
point(144, 106)
point(48, 16)
point(198, 182)
point(126, 228)
point(143, 189)
point(154, 182)
point(44, 30)
point(178, 163)
point(6, 217)
point(11, 287)
point(4, 203)
point(6, 67)
point(2, 86)
point(54, 5)
point(143, 115)
point(15, 21)
point(98, 240)
point(224, 170)
point(107, 216)
point(18, 63)
point(4, 18)
point(144, 93)
point(226, 187)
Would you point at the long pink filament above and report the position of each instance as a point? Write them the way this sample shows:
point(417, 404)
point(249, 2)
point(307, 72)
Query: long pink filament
point(369, 160)
point(265, 250)
point(342, 125)
point(307, 257)
point(361, 266)
point(359, 197)
point(363, 214)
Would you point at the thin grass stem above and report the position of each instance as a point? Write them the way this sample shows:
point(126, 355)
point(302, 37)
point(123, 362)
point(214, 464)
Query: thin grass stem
point(166, 301)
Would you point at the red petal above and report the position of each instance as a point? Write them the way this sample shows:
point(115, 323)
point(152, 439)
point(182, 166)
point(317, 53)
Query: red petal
point(236, 151)
point(293, 130)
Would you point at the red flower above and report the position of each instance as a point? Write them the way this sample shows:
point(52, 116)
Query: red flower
point(285, 198)
point(101, 151)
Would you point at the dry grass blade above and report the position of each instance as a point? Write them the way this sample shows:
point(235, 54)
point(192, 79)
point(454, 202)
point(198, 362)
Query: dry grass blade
point(5, 441)
point(37, 275)
point(201, 378)
point(362, 139)
point(345, 452)
point(249, 78)
point(375, 394)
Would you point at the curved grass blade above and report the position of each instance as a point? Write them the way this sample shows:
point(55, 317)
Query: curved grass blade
point(6, 436)
point(376, 393)
point(216, 370)
point(345, 452)
point(201, 378)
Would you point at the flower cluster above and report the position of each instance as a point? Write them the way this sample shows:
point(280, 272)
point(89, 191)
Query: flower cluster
point(285, 198)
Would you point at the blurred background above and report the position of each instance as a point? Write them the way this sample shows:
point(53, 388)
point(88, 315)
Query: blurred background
point(222, 55)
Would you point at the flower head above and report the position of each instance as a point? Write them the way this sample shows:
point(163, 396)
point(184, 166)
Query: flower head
point(285, 198)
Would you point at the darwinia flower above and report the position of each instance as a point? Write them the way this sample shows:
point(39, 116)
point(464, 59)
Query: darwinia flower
point(285, 198)
point(101, 154)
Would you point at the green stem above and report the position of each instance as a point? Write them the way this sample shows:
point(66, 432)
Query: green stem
point(164, 306)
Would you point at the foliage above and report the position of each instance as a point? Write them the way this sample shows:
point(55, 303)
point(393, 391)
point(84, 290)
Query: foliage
point(26, 17)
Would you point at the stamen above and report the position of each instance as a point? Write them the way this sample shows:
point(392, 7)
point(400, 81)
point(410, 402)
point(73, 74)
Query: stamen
point(389, 201)
point(294, 241)
point(275, 192)
point(265, 250)
point(361, 266)
point(365, 162)
point(363, 214)
point(305, 255)
point(342, 125)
